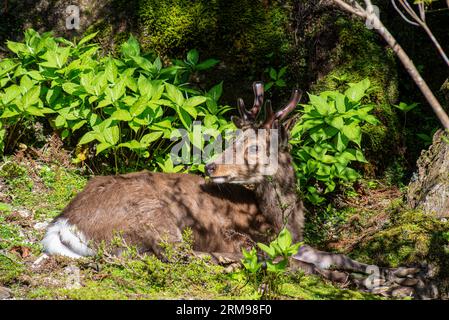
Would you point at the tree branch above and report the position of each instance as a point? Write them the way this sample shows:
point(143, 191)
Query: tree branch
point(374, 20)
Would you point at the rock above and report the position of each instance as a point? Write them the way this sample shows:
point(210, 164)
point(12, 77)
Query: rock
point(24, 213)
point(5, 293)
point(37, 264)
point(429, 189)
point(41, 226)
point(73, 277)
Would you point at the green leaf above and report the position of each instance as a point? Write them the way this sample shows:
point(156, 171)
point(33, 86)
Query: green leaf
point(337, 122)
point(87, 38)
point(193, 56)
point(174, 94)
point(11, 93)
point(357, 91)
point(406, 107)
point(216, 91)
point(121, 115)
point(112, 135)
point(130, 48)
point(132, 145)
point(273, 74)
point(10, 112)
point(144, 86)
point(206, 64)
point(320, 104)
point(284, 239)
point(150, 137)
point(78, 125)
point(35, 111)
point(31, 97)
point(268, 250)
point(190, 104)
point(277, 267)
point(184, 117)
point(103, 146)
point(353, 132)
point(88, 137)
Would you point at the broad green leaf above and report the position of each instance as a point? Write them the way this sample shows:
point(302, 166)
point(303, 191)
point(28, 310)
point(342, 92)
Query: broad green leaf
point(131, 48)
point(87, 38)
point(357, 91)
point(112, 135)
point(31, 97)
point(284, 239)
point(78, 125)
point(150, 137)
point(35, 111)
point(353, 132)
point(320, 104)
point(184, 117)
point(88, 137)
point(11, 93)
point(192, 56)
point(216, 91)
point(121, 115)
point(206, 64)
point(103, 146)
point(132, 145)
point(268, 250)
point(174, 94)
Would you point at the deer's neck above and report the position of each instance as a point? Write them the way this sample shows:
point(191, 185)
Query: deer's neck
point(278, 200)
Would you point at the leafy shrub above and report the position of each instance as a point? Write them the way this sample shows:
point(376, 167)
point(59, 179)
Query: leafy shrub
point(127, 108)
point(327, 139)
point(267, 273)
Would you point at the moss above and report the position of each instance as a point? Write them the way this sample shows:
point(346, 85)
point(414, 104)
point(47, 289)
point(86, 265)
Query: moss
point(44, 189)
point(10, 268)
point(358, 55)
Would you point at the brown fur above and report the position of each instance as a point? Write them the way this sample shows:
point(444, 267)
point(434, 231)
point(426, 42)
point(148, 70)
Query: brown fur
point(149, 207)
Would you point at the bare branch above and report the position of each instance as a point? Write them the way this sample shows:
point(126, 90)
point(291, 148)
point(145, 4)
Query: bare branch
point(350, 8)
point(393, 2)
point(369, 15)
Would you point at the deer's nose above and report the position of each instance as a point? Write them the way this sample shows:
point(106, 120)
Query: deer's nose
point(210, 168)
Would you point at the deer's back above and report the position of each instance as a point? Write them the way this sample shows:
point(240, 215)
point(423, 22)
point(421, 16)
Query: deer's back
point(148, 207)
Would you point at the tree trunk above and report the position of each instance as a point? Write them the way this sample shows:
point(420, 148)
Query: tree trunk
point(429, 188)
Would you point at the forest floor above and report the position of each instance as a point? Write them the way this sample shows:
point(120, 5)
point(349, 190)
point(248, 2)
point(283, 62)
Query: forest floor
point(34, 189)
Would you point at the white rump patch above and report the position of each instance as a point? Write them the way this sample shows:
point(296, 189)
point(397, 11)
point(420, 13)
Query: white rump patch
point(65, 239)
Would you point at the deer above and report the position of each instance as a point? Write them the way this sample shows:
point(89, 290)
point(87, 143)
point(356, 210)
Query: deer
point(223, 213)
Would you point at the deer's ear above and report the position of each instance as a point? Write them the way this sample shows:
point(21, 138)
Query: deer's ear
point(237, 121)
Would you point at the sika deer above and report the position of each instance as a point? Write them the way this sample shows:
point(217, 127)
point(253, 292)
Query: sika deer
point(224, 216)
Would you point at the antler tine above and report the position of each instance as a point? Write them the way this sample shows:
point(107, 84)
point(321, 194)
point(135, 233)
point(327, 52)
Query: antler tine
point(269, 115)
point(258, 98)
point(296, 96)
point(244, 114)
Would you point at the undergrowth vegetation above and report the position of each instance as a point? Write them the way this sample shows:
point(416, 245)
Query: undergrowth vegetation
point(125, 109)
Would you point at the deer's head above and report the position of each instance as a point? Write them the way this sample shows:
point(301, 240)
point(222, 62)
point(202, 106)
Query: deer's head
point(258, 144)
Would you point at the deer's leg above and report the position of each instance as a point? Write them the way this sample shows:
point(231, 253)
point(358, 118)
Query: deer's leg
point(342, 269)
